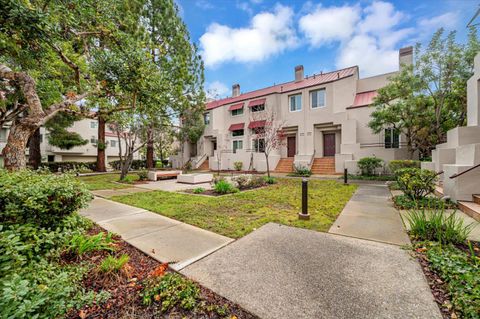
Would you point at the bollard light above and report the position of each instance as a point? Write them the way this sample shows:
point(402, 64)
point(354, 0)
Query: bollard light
point(345, 176)
point(304, 215)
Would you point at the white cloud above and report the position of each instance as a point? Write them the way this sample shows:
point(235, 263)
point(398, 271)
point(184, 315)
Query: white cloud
point(269, 33)
point(326, 25)
point(204, 4)
point(245, 6)
point(380, 17)
point(216, 89)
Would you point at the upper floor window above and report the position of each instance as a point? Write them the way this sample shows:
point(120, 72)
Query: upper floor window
point(237, 112)
point(392, 138)
point(206, 118)
point(295, 102)
point(113, 143)
point(94, 124)
point(317, 98)
point(93, 140)
point(258, 108)
point(237, 133)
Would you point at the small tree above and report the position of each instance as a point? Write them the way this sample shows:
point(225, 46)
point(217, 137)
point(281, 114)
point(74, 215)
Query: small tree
point(270, 132)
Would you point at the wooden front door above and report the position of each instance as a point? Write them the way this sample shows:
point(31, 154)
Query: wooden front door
point(329, 144)
point(291, 146)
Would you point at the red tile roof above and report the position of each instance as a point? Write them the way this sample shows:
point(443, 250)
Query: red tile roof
point(257, 102)
point(257, 124)
point(287, 87)
point(363, 99)
point(237, 106)
point(236, 127)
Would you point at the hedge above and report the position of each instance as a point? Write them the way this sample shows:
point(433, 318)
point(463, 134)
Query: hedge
point(395, 165)
point(68, 166)
point(136, 164)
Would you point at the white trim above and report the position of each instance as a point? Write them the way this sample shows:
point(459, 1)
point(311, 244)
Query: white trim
point(231, 113)
point(290, 105)
point(324, 99)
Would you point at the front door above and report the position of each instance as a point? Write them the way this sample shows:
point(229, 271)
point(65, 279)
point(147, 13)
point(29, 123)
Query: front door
point(329, 144)
point(291, 146)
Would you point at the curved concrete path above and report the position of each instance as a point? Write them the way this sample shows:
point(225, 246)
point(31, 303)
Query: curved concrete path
point(284, 272)
point(370, 214)
point(162, 238)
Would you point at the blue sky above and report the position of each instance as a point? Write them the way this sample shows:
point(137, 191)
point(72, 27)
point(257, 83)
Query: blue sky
point(257, 43)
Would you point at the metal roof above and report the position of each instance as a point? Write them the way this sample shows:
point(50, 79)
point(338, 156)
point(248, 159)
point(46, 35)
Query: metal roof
point(363, 99)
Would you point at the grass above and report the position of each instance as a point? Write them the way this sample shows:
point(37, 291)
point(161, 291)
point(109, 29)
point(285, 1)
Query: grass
point(105, 181)
point(370, 178)
point(238, 214)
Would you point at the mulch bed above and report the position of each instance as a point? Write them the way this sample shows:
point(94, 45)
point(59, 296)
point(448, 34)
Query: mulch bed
point(437, 285)
point(125, 288)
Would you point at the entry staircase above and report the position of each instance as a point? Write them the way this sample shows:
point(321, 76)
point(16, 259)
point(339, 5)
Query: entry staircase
point(205, 166)
point(285, 165)
point(471, 208)
point(323, 166)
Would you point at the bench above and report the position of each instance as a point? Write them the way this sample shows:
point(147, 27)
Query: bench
point(155, 175)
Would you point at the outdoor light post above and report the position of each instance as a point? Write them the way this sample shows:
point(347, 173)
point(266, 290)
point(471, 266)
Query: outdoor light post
point(345, 176)
point(304, 215)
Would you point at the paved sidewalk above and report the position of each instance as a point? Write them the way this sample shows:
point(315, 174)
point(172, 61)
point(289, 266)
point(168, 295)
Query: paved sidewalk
point(285, 272)
point(370, 215)
point(164, 239)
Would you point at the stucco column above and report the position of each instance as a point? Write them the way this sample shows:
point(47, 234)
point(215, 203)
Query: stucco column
point(473, 95)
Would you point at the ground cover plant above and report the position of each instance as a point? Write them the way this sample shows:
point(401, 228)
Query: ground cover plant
point(238, 214)
point(300, 171)
point(105, 181)
point(405, 202)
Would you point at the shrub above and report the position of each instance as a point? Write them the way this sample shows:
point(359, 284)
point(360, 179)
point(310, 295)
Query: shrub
point(256, 181)
point(136, 165)
point(42, 199)
point(416, 183)
point(405, 202)
point(300, 170)
point(242, 181)
point(55, 167)
point(82, 244)
point(224, 187)
point(129, 179)
point(238, 166)
point(368, 165)
point(158, 164)
point(199, 190)
point(112, 265)
point(395, 165)
point(269, 180)
point(171, 291)
point(436, 225)
point(143, 175)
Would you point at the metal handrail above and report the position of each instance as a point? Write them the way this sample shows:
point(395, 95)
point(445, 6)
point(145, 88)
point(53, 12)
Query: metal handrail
point(200, 160)
point(465, 171)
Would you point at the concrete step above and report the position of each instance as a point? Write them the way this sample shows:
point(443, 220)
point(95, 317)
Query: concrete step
point(470, 208)
point(476, 199)
point(438, 191)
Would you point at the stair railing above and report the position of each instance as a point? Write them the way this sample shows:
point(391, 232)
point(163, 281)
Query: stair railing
point(465, 171)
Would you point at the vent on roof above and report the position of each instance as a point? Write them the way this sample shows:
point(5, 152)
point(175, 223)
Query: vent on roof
point(298, 73)
point(235, 90)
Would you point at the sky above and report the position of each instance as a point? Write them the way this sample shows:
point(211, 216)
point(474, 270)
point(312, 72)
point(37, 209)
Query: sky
point(257, 43)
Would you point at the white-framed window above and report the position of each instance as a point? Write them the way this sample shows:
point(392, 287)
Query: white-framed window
point(206, 118)
point(113, 143)
point(258, 145)
point(295, 102)
point(93, 140)
point(317, 98)
point(392, 138)
point(258, 108)
point(237, 145)
point(93, 124)
point(237, 112)
point(3, 134)
point(238, 133)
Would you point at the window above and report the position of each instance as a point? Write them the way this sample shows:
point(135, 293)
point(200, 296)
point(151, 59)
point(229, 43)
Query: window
point(94, 124)
point(113, 143)
point(317, 98)
point(295, 103)
point(41, 138)
point(258, 108)
point(206, 118)
point(392, 138)
point(3, 134)
point(237, 133)
point(259, 145)
point(93, 140)
point(237, 112)
point(237, 145)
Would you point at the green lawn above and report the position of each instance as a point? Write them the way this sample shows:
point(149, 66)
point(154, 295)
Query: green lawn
point(238, 214)
point(105, 181)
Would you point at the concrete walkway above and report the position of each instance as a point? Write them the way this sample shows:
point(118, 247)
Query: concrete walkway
point(285, 272)
point(370, 215)
point(162, 238)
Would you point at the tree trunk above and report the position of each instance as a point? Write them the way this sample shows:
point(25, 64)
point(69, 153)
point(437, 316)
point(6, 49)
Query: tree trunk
point(14, 151)
point(268, 166)
point(34, 153)
point(101, 166)
point(126, 166)
point(150, 163)
point(160, 146)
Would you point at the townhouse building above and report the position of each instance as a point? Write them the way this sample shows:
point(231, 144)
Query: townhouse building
point(88, 130)
point(324, 118)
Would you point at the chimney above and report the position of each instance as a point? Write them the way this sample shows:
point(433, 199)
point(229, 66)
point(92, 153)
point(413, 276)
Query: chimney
point(298, 73)
point(405, 56)
point(235, 90)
